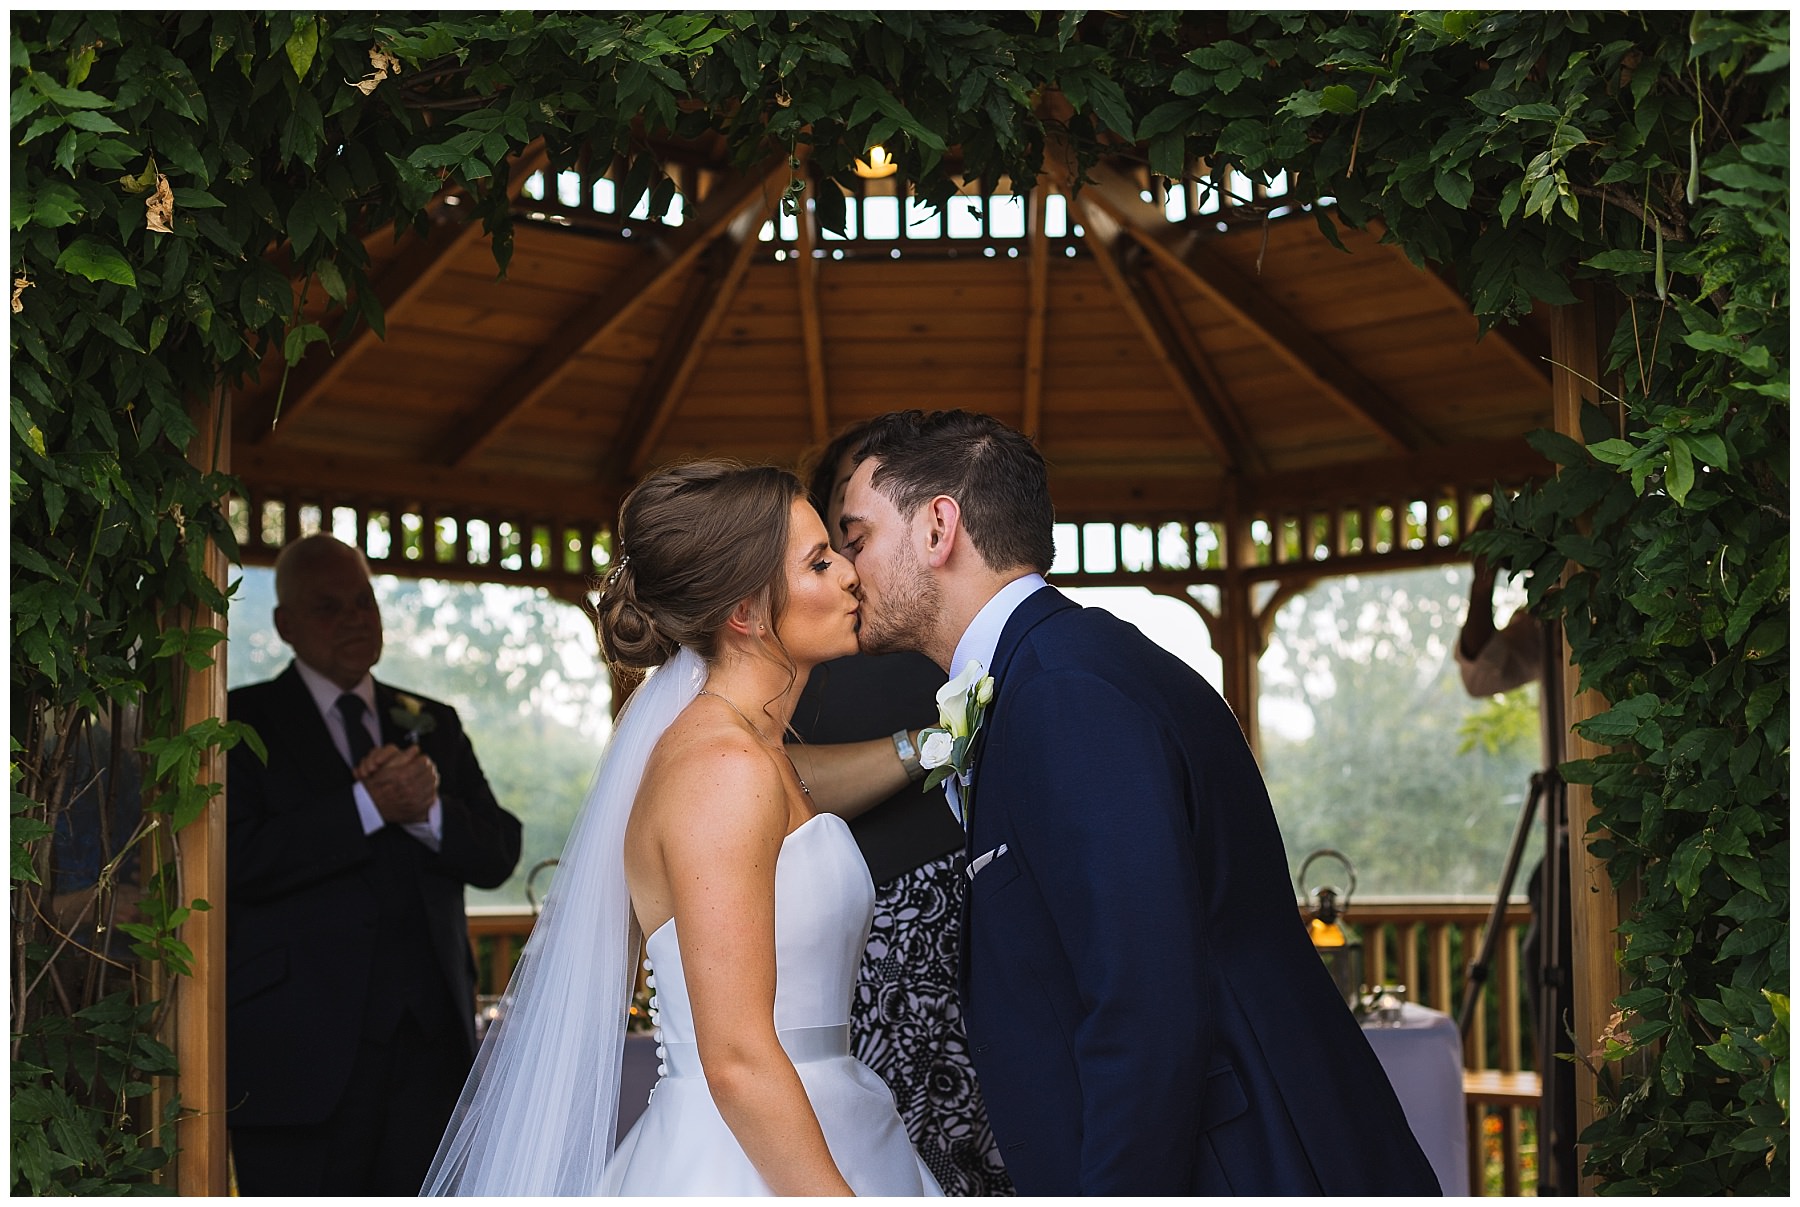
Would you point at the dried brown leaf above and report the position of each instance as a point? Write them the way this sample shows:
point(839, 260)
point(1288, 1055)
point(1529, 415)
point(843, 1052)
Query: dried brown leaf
point(159, 210)
point(20, 285)
point(384, 64)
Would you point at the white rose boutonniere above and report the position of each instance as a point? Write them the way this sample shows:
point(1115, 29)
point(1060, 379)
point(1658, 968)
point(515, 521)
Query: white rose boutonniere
point(944, 749)
point(411, 719)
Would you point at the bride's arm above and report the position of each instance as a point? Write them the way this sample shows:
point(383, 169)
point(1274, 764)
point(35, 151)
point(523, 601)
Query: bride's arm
point(850, 778)
point(720, 850)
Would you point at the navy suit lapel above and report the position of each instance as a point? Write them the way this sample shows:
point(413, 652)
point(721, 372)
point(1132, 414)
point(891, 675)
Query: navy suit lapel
point(1037, 607)
point(1033, 610)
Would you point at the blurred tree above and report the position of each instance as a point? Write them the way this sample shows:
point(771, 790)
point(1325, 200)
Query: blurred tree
point(1387, 775)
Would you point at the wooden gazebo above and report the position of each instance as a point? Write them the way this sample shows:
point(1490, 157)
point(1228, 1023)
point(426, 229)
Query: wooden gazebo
point(1226, 399)
point(1206, 360)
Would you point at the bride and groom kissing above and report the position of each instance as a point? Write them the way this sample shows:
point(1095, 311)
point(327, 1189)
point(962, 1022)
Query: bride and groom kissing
point(1144, 1011)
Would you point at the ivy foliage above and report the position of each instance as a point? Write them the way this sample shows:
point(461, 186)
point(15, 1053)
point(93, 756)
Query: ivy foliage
point(184, 182)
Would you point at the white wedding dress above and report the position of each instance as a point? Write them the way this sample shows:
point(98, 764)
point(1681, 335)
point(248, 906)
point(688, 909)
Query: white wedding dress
point(680, 1145)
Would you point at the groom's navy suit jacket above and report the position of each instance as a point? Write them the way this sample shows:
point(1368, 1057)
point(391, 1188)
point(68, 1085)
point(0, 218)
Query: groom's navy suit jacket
point(334, 935)
point(1146, 1013)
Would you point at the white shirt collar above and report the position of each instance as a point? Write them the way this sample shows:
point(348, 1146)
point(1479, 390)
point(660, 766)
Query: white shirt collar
point(982, 637)
point(325, 693)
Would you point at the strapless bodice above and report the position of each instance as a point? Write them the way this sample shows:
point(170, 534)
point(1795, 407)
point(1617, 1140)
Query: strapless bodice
point(681, 1145)
point(824, 901)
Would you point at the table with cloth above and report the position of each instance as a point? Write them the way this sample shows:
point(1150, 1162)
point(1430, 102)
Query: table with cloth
point(1422, 1054)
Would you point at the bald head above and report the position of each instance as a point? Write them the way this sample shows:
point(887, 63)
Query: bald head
point(325, 608)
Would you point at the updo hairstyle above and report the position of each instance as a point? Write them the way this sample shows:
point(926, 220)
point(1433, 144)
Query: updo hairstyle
point(693, 540)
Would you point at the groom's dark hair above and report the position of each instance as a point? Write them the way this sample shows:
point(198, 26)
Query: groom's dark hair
point(996, 475)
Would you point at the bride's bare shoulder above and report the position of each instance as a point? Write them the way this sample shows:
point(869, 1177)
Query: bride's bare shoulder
point(707, 771)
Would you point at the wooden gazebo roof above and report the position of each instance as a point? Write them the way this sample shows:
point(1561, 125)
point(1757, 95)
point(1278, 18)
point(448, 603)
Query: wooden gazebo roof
point(1207, 360)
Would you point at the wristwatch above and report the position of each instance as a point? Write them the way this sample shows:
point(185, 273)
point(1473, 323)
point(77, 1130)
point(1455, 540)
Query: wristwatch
point(909, 755)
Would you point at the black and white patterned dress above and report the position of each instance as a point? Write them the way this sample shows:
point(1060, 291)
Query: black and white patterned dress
point(906, 1024)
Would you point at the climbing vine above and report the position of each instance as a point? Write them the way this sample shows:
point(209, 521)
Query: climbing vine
point(182, 181)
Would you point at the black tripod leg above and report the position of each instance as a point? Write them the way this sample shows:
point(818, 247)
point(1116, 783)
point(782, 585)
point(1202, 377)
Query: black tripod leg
point(1482, 963)
point(1556, 1114)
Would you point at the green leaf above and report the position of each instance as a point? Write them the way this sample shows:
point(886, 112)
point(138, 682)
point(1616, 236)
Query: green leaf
point(1621, 260)
point(1455, 187)
point(1708, 447)
point(97, 123)
point(1338, 98)
point(1613, 452)
point(295, 345)
point(1679, 478)
point(1109, 102)
point(301, 48)
point(1537, 112)
point(331, 279)
point(56, 204)
point(96, 261)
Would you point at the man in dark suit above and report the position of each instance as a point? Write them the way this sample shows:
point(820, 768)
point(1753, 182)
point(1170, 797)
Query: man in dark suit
point(349, 982)
point(1146, 1013)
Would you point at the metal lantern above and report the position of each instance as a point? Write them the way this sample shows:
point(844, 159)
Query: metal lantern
point(1335, 942)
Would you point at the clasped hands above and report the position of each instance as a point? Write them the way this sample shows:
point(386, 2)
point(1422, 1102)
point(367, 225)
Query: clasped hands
point(401, 782)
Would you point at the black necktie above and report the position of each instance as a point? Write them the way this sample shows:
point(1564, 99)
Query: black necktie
point(351, 708)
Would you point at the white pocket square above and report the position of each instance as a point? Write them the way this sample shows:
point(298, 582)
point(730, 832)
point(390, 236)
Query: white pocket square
point(981, 861)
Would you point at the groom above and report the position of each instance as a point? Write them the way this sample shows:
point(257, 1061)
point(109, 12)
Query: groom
point(1145, 1012)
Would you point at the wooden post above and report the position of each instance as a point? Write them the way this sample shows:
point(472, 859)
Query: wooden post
point(1242, 644)
point(1576, 350)
point(200, 1006)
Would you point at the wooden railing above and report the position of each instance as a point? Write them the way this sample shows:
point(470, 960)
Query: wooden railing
point(1424, 945)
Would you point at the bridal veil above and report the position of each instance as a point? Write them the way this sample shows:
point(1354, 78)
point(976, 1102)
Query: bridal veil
point(538, 1113)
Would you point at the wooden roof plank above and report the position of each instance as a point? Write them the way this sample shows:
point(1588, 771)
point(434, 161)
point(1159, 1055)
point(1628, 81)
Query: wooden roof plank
point(1103, 236)
point(1037, 308)
point(1529, 353)
point(700, 294)
point(812, 337)
point(401, 282)
point(1221, 283)
point(742, 233)
point(621, 298)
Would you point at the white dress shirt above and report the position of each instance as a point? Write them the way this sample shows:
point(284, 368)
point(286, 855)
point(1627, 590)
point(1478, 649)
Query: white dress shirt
point(981, 639)
point(325, 694)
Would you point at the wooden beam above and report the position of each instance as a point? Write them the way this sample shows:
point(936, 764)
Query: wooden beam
point(743, 232)
point(1225, 412)
point(1239, 651)
point(1479, 465)
point(697, 299)
point(603, 314)
point(811, 330)
point(1105, 241)
point(1188, 257)
point(1111, 489)
point(401, 282)
point(404, 278)
point(1037, 307)
point(347, 480)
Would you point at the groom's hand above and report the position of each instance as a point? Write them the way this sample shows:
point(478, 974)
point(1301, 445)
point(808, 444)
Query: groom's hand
point(402, 783)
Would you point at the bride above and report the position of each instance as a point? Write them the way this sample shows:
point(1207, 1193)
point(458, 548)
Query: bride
point(699, 832)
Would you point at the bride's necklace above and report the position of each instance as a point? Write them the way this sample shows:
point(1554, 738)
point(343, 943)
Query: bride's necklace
point(807, 792)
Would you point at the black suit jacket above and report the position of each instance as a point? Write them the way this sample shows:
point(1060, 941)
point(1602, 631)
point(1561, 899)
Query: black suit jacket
point(1145, 1011)
point(331, 932)
point(862, 696)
